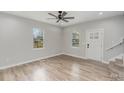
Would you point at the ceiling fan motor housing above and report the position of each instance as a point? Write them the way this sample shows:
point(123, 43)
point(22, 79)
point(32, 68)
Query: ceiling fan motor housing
point(60, 12)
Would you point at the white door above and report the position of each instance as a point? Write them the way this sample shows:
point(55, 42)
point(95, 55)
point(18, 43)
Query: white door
point(94, 44)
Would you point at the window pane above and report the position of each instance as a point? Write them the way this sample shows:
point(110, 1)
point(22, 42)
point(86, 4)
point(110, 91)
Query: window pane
point(37, 38)
point(91, 35)
point(75, 39)
point(96, 35)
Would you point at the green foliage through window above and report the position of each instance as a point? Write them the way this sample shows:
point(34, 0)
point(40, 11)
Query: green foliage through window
point(75, 39)
point(37, 38)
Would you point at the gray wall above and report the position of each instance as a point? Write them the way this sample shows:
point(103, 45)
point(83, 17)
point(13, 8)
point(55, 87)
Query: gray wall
point(16, 40)
point(113, 31)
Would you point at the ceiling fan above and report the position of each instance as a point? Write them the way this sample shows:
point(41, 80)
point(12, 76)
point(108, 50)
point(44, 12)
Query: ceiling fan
point(61, 16)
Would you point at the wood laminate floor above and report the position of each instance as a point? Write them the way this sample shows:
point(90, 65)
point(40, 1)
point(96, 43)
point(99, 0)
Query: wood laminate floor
point(58, 68)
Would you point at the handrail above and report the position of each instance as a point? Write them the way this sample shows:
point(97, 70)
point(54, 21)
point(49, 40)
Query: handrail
point(115, 45)
point(123, 59)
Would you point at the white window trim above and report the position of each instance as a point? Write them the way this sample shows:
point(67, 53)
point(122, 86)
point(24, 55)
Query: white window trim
point(72, 38)
point(43, 40)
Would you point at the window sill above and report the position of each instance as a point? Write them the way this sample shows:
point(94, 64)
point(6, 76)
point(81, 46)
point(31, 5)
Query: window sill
point(38, 48)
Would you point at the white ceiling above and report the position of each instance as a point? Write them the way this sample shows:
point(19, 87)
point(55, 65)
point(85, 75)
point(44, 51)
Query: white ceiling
point(80, 16)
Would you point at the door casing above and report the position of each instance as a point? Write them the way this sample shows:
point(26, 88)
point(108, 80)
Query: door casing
point(101, 31)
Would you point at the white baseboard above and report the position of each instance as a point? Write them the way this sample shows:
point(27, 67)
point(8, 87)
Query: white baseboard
point(103, 61)
point(41, 58)
point(29, 61)
point(106, 62)
point(74, 56)
point(116, 57)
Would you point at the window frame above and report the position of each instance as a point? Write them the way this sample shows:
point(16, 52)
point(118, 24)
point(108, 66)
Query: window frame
point(72, 39)
point(33, 39)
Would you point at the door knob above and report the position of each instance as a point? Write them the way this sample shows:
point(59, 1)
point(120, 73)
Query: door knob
point(88, 45)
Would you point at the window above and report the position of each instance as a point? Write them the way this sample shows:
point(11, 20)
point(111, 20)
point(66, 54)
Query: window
point(37, 38)
point(96, 35)
point(75, 39)
point(91, 35)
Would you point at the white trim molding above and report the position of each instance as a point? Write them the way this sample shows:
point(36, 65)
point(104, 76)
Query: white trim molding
point(117, 57)
point(41, 58)
point(74, 55)
point(103, 61)
point(29, 61)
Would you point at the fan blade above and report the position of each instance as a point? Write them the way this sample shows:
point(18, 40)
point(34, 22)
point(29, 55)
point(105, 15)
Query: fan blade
point(65, 20)
point(68, 18)
point(53, 15)
point(64, 13)
point(51, 18)
point(57, 20)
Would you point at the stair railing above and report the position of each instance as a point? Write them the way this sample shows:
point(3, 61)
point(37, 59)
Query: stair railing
point(123, 54)
point(123, 59)
point(121, 41)
point(117, 44)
